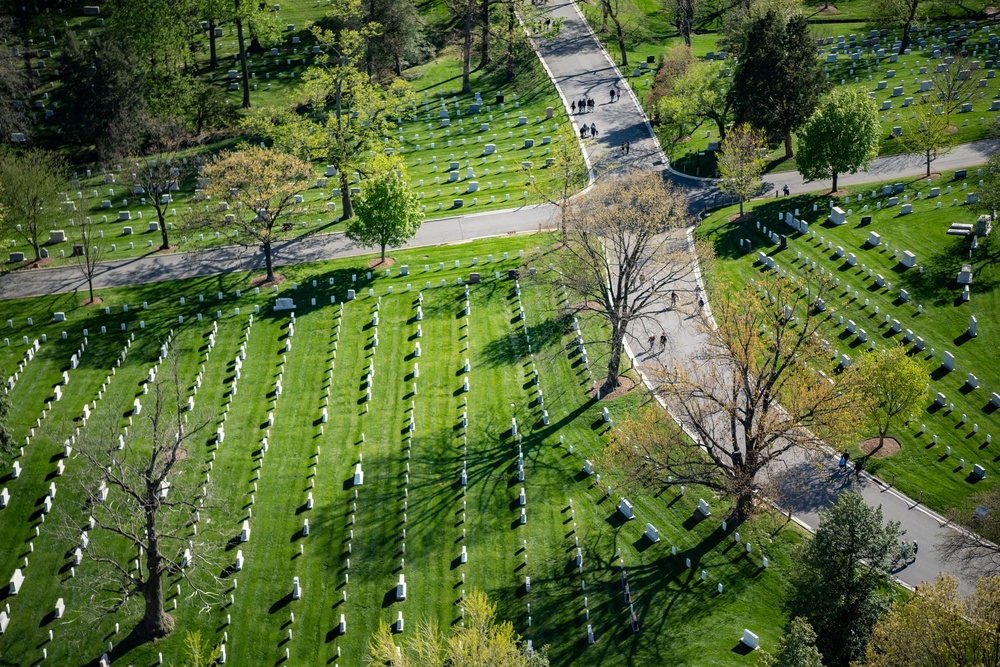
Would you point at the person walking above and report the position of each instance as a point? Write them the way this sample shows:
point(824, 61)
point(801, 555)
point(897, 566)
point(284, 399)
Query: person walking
point(593, 130)
point(857, 470)
point(663, 341)
point(673, 299)
point(612, 95)
point(573, 106)
point(652, 339)
point(583, 132)
point(590, 104)
point(628, 146)
point(785, 190)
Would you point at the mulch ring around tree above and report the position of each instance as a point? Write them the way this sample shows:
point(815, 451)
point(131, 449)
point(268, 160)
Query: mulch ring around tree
point(381, 264)
point(169, 249)
point(736, 217)
point(625, 385)
point(262, 281)
point(38, 263)
point(96, 302)
point(889, 447)
point(180, 455)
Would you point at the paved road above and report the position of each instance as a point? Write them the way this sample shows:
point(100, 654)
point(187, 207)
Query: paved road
point(580, 68)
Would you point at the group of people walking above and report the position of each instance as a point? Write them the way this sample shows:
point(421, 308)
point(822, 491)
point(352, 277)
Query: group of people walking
point(584, 105)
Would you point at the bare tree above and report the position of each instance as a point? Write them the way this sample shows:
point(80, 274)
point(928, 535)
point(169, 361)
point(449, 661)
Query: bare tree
point(953, 87)
point(158, 172)
point(613, 9)
point(764, 349)
point(88, 253)
point(14, 84)
point(144, 499)
point(626, 249)
point(975, 542)
point(568, 175)
point(468, 14)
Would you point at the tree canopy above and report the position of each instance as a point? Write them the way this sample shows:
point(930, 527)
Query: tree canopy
point(844, 577)
point(388, 212)
point(779, 79)
point(741, 163)
point(891, 384)
point(842, 136)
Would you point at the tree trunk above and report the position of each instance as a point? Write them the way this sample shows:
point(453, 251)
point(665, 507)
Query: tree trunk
point(484, 47)
point(614, 363)
point(788, 145)
point(604, 17)
point(721, 125)
point(90, 286)
point(345, 197)
point(928, 164)
point(163, 229)
point(467, 52)
point(213, 60)
point(621, 40)
point(243, 61)
point(35, 246)
point(744, 504)
point(834, 181)
point(266, 246)
point(156, 621)
point(383, 254)
point(741, 208)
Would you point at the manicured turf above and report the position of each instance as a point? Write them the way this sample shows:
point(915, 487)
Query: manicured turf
point(684, 620)
point(921, 467)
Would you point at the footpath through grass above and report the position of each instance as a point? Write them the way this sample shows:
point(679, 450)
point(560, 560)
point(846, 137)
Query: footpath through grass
point(412, 478)
point(921, 308)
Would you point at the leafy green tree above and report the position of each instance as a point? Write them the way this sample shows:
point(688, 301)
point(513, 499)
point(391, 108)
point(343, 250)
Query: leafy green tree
point(900, 12)
point(254, 190)
point(940, 626)
point(7, 446)
point(401, 42)
point(704, 85)
point(844, 579)
point(779, 79)
point(105, 86)
point(198, 652)
point(388, 212)
point(841, 137)
point(481, 642)
point(891, 384)
point(989, 194)
point(797, 648)
point(29, 185)
point(741, 163)
point(927, 134)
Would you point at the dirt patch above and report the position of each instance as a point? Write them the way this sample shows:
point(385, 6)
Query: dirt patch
point(830, 9)
point(95, 302)
point(889, 447)
point(38, 263)
point(839, 193)
point(262, 281)
point(736, 217)
point(381, 263)
point(181, 454)
point(587, 305)
point(625, 385)
point(952, 129)
point(170, 249)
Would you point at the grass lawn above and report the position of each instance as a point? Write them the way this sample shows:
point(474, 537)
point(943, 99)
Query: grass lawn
point(921, 467)
point(411, 482)
point(425, 145)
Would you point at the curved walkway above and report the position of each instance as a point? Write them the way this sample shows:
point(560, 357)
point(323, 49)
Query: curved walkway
point(580, 68)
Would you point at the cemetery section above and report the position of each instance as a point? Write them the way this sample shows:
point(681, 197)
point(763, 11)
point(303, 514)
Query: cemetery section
point(329, 434)
point(904, 263)
point(464, 153)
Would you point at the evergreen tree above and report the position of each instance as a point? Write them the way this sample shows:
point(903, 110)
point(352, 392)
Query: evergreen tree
point(779, 79)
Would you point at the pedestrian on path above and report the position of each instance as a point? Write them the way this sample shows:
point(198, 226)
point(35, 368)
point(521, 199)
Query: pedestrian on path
point(573, 106)
point(857, 469)
point(673, 299)
point(612, 95)
point(583, 132)
point(593, 130)
point(915, 547)
point(842, 463)
point(663, 341)
point(628, 146)
point(623, 148)
point(652, 339)
point(785, 190)
point(590, 104)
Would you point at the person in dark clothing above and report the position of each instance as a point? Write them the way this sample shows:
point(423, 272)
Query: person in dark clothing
point(593, 130)
point(628, 146)
point(612, 95)
point(583, 132)
point(857, 469)
point(663, 341)
point(573, 106)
